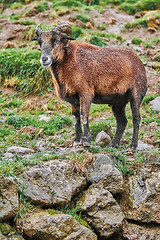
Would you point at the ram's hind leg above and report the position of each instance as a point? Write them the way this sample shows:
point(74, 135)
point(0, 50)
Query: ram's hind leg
point(119, 113)
point(136, 121)
point(78, 129)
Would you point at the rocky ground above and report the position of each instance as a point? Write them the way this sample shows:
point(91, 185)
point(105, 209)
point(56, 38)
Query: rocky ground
point(49, 190)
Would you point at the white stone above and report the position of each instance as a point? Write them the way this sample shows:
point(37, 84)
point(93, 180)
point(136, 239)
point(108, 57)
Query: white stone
point(156, 104)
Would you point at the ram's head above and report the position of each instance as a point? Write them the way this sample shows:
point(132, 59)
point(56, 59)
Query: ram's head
point(53, 42)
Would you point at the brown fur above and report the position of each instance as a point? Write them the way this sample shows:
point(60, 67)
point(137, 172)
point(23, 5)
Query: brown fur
point(83, 73)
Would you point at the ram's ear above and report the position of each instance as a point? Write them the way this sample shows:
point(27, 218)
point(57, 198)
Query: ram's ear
point(38, 30)
point(67, 37)
point(65, 40)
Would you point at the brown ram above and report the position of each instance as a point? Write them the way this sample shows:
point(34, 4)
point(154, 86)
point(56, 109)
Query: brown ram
point(85, 74)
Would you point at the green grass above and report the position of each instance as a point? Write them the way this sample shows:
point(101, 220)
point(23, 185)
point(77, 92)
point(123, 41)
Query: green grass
point(98, 126)
point(67, 3)
point(76, 213)
point(22, 69)
point(131, 7)
point(55, 124)
point(95, 40)
point(77, 32)
point(83, 17)
point(136, 40)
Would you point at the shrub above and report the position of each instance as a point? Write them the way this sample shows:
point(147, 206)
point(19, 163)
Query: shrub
point(97, 41)
point(131, 7)
point(41, 7)
point(136, 41)
point(77, 32)
point(67, 3)
point(82, 17)
point(99, 126)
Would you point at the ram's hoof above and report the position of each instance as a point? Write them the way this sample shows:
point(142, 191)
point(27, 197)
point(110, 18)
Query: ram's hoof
point(86, 144)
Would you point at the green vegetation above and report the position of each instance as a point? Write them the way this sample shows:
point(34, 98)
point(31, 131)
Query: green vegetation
point(131, 7)
point(97, 127)
point(76, 213)
point(67, 3)
point(97, 41)
point(22, 69)
point(136, 41)
point(77, 32)
point(82, 17)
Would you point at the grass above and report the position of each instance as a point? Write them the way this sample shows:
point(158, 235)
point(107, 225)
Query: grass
point(22, 69)
point(95, 40)
point(82, 17)
point(136, 40)
point(131, 7)
point(76, 213)
point(98, 126)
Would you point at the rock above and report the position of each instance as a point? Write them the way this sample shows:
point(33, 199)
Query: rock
point(142, 194)
point(8, 199)
point(103, 138)
point(12, 237)
point(143, 146)
point(132, 231)
point(156, 104)
point(60, 226)
point(105, 172)
point(8, 156)
point(80, 23)
point(52, 183)
point(20, 150)
point(44, 118)
point(11, 31)
point(32, 131)
point(102, 210)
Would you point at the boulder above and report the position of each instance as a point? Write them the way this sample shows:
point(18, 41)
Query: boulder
point(143, 146)
point(52, 183)
point(8, 199)
point(133, 231)
point(102, 211)
point(103, 138)
point(104, 171)
point(20, 150)
point(11, 237)
point(11, 31)
point(142, 194)
point(43, 226)
point(156, 104)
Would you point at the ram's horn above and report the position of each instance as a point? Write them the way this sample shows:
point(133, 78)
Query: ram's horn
point(64, 28)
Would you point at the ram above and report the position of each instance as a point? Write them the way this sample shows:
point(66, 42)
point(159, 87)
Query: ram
point(85, 74)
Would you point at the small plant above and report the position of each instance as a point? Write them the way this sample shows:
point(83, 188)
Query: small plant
point(77, 32)
point(67, 3)
point(24, 204)
point(102, 27)
point(147, 99)
point(95, 40)
point(41, 7)
point(82, 17)
point(76, 213)
point(97, 127)
point(16, 5)
point(136, 41)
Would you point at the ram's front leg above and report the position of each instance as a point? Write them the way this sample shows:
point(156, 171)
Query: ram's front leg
point(85, 102)
point(78, 129)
